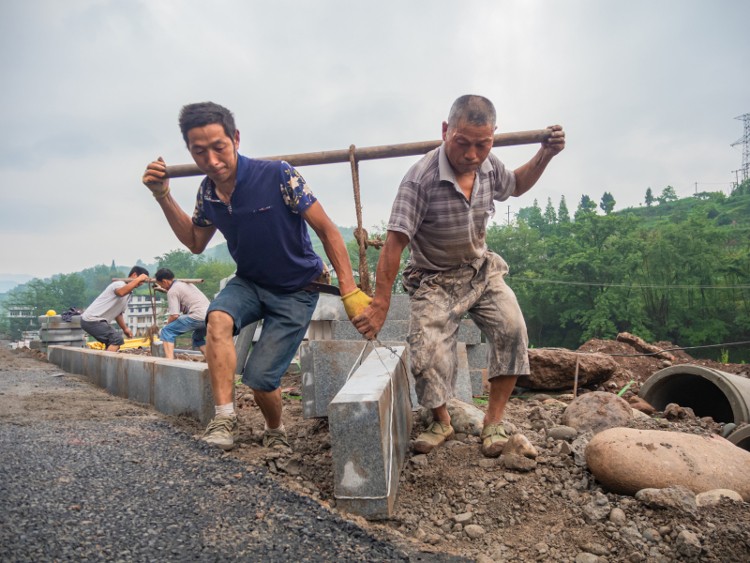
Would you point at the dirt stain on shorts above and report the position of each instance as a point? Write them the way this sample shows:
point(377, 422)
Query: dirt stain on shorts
point(438, 302)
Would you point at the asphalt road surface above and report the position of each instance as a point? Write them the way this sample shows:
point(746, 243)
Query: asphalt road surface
point(89, 477)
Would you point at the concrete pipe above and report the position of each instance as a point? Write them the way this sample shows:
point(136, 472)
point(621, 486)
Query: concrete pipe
point(741, 438)
point(725, 397)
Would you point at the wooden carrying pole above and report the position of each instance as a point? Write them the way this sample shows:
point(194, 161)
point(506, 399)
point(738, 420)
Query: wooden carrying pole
point(153, 280)
point(372, 153)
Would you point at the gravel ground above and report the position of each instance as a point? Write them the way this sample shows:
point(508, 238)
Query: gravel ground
point(87, 476)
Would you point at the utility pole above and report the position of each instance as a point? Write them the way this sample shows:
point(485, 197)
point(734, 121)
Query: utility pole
point(508, 215)
point(745, 142)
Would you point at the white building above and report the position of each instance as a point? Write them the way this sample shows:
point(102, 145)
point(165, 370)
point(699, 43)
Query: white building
point(140, 316)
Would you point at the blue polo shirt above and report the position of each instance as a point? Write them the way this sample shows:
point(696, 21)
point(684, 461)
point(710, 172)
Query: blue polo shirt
point(263, 224)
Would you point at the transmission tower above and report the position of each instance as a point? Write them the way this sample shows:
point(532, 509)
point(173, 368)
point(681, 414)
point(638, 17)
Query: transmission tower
point(745, 142)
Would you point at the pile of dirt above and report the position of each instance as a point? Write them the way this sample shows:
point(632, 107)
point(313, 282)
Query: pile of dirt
point(456, 501)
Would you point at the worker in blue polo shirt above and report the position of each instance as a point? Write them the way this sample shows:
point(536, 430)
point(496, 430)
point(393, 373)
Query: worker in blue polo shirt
point(262, 208)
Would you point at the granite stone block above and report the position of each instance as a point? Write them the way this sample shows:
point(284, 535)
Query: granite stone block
point(462, 390)
point(477, 385)
point(183, 388)
point(325, 365)
point(479, 355)
point(391, 331)
point(370, 423)
point(173, 387)
point(243, 345)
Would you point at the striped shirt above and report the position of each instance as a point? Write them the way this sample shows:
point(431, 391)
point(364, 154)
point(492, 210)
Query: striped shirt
point(446, 230)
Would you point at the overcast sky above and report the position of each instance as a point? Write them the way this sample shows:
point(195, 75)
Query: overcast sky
point(647, 91)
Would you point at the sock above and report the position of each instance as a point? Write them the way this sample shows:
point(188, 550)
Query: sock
point(224, 410)
point(281, 427)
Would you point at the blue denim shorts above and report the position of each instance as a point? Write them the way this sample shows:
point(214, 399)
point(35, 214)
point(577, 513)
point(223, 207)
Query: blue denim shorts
point(181, 325)
point(285, 317)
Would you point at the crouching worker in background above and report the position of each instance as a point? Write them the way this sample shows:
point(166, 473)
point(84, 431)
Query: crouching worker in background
point(110, 306)
point(186, 307)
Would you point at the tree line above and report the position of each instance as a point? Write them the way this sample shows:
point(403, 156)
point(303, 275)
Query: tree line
point(63, 291)
point(674, 270)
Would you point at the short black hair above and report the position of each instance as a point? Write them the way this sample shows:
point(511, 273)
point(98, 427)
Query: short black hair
point(137, 270)
point(476, 110)
point(164, 274)
point(206, 113)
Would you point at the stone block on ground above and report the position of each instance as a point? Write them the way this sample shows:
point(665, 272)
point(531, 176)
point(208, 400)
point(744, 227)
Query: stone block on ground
point(370, 423)
point(469, 333)
point(325, 365)
point(463, 388)
point(330, 308)
point(391, 330)
point(243, 344)
point(479, 355)
point(173, 387)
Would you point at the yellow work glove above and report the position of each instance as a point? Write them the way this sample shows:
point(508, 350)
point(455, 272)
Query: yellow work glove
point(355, 302)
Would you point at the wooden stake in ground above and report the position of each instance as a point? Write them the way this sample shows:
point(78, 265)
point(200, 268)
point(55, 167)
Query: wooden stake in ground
point(153, 330)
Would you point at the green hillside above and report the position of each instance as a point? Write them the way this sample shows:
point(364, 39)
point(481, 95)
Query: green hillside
point(677, 270)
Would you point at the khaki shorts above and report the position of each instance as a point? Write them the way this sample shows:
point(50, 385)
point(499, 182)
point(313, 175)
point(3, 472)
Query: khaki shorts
point(438, 302)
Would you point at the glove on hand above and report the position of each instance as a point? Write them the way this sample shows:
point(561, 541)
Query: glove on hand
point(355, 302)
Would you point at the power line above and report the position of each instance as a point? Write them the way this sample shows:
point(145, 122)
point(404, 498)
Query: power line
point(628, 286)
point(676, 348)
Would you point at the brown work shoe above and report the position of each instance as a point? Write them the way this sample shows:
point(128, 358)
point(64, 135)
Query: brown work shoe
point(276, 439)
point(435, 435)
point(494, 439)
point(221, 432)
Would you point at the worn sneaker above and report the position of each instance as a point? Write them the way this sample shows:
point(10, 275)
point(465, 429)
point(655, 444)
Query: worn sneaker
point(276, 439)
point(494, 439)
point(221, 432)
point(435, 435)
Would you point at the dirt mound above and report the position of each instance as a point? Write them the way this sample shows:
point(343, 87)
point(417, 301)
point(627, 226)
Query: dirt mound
point(455, 500)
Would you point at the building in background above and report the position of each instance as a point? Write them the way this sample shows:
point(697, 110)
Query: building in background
point(140, 314)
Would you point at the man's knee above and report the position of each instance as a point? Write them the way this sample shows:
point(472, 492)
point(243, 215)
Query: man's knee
point(219, 324)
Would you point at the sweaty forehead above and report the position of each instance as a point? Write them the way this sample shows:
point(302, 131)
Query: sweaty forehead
point(207, 135)
point(473, 133)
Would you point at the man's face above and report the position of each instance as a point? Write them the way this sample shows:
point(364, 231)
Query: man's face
point(214, 152)
point(467, 145)
point(164, 284)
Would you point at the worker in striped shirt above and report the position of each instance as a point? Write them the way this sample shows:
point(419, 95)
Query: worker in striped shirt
point(441, 212)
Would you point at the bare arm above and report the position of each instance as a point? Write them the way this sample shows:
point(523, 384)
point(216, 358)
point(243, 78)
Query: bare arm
point(131, 285)
point(371, 320)
point(188, 233)
point(528, 174)
point(121, 321)
point(333, 244)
